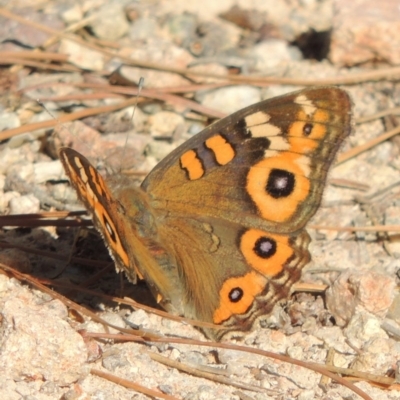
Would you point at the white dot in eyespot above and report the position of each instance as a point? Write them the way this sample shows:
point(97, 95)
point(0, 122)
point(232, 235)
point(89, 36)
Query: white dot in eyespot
point(236, 295)
point(265, 246)
point(281, 182)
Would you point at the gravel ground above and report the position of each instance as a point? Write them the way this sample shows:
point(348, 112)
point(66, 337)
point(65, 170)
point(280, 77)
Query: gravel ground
point(47, 349)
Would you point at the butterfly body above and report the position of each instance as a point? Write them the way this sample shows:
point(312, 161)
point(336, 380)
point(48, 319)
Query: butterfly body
point(217, 228)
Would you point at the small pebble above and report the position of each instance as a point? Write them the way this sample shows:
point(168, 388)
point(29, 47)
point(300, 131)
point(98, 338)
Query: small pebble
point(27, 204)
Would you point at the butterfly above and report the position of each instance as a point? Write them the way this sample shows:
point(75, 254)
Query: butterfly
point(217, 228)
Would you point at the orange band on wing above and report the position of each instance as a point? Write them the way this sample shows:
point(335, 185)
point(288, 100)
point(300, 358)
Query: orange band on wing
point(265, 252)
point(249, 285)
point(222, 149)
point(305, 133)
point(192, 164)
point(278, 208)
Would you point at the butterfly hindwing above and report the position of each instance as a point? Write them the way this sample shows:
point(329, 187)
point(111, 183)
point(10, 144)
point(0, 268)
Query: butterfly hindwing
point(224, 282)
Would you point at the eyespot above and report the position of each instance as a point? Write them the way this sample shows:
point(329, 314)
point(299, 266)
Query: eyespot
point(280, 183)
point(265, 252)
point(236, 294)
point(265, 247)
point(307, 129)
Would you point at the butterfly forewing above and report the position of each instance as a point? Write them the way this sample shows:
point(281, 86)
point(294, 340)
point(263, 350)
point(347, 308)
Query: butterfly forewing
point(264, 166)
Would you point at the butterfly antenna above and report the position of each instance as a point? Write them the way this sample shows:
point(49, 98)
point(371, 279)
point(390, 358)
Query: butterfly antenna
point(60, 124)
point(41, 104)
point(140, 87)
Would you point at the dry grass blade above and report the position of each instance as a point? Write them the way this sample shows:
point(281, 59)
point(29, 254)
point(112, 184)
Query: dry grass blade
point(310, 287)
point(39, 65)
point(349, 184)
point(65, 118)
point(131, 385)
point(134, 305)
point(69, 303)
point(375, 228)
point(380, 114)
point(319, 368)
point(355, 151)
point(166, 315)
point(212, 376)
point(7, 134)
point(55, 256)
point(142, 336)
point(324, 381)
point(243, 396)
point(381, 74)
point(55, 218)
point(313, 366)
point(71, 28)
point(82, 288)
point(165, 95)
point(365, 376)
point(33, 55)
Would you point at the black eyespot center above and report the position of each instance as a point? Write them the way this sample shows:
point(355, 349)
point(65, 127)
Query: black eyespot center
point(280, 183)
point(265, 247)
point(307, 129)
point(236, 294)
